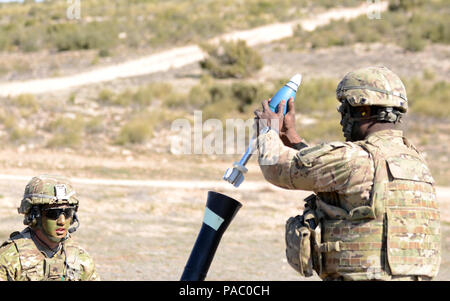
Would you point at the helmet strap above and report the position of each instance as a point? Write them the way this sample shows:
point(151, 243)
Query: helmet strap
point(384, 114)
point(32, 218)
point(74, 228)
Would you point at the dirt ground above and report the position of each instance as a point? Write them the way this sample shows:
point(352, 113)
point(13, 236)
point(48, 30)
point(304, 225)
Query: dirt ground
point(147, 233)
point(146, 230)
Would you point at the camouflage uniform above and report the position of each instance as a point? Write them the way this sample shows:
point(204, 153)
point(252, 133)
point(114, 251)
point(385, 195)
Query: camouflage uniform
point(25, 257)
point(377, 203)
point(22, 258)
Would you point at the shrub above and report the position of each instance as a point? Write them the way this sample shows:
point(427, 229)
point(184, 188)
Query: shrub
point(28, 101)
point(414, 42)
point(142, 97)
point(72, 36)
point(135, 131)
point(404, 4)
point(247, 95)
point(219, 110)
point(65, 132)
point(325, 130)
point(123, 99)
point(317, 95)
point(18, 134)
point(232, 60)
point(429, 98)
point(106, 96)
point(412, 30)
point(94, 125)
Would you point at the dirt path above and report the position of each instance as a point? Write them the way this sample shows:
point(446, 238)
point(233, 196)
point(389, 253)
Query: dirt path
point(182, 56)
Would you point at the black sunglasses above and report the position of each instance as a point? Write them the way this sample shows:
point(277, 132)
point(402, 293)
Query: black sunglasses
point(54, 213)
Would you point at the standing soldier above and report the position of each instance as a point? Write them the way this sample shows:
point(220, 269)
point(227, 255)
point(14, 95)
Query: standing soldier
point(374, 214)
point(45, 250)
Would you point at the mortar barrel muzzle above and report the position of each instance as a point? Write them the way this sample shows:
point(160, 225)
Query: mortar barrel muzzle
point(219, 212)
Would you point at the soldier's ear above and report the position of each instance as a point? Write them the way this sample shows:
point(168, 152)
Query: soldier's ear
point(366, 111)
point(362, 112)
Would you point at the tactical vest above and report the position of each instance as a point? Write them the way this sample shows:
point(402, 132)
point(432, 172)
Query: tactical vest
point(399, 233)
point(37, 267)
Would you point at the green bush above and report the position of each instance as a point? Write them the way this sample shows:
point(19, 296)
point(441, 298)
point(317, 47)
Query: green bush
point(220, 110)
point(106, 96)
point(428, 98)
point(326, 129)
point(65, 132)
point(20, 135)
point(413, 30)
point(414, 42)
point(142, 97)
point(248, 95)
point(95, 125)
point(27, 101)
point(232, 60)
point(395, 5)
point(317, 95)
point(71, 36)
point(124, 98)
point(155, 24)
point(136, 131)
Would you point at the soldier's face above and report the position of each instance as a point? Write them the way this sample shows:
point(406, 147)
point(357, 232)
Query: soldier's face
point(358, 132)
point(360, 126)
point(56, 222)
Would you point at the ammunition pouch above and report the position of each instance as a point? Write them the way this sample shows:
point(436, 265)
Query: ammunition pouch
point(303, 239)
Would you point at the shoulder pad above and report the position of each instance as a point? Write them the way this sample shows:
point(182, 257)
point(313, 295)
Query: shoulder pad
point(13, 236)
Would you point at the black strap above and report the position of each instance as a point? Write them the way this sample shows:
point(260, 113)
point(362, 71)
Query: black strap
point(299, 146)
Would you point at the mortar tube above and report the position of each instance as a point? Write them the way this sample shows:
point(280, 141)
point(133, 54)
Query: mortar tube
point(219, 212)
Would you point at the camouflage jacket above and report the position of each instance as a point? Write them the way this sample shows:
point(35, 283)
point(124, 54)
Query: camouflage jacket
point(21, 260)
point(339, 167)
point(381, 218)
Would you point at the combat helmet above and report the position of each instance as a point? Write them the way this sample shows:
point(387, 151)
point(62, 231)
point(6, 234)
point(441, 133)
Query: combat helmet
point(372, 86)
point(45, 190)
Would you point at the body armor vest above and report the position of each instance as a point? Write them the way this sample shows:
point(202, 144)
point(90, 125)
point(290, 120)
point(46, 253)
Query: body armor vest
point(399, 233)
point(37, 267)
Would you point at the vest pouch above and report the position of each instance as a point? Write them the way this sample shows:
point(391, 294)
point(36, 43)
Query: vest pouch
point(31, 274)
point(412, 215)
point(352, 247)
point(74, 268)
point(298, 246)
point(74, 272)
point(413, 242)
point(55, 268)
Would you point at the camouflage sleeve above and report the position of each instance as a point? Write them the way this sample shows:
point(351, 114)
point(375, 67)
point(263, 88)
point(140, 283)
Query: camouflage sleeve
point(9, 262)
point(321, 168)
point(89, 269)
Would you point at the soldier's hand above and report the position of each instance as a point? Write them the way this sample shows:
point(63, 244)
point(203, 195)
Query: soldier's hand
point(268, 118)
point(288, 134)
point(289, 118)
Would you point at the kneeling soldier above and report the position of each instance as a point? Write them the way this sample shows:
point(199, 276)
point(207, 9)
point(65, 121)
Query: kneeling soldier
point(45, 250)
